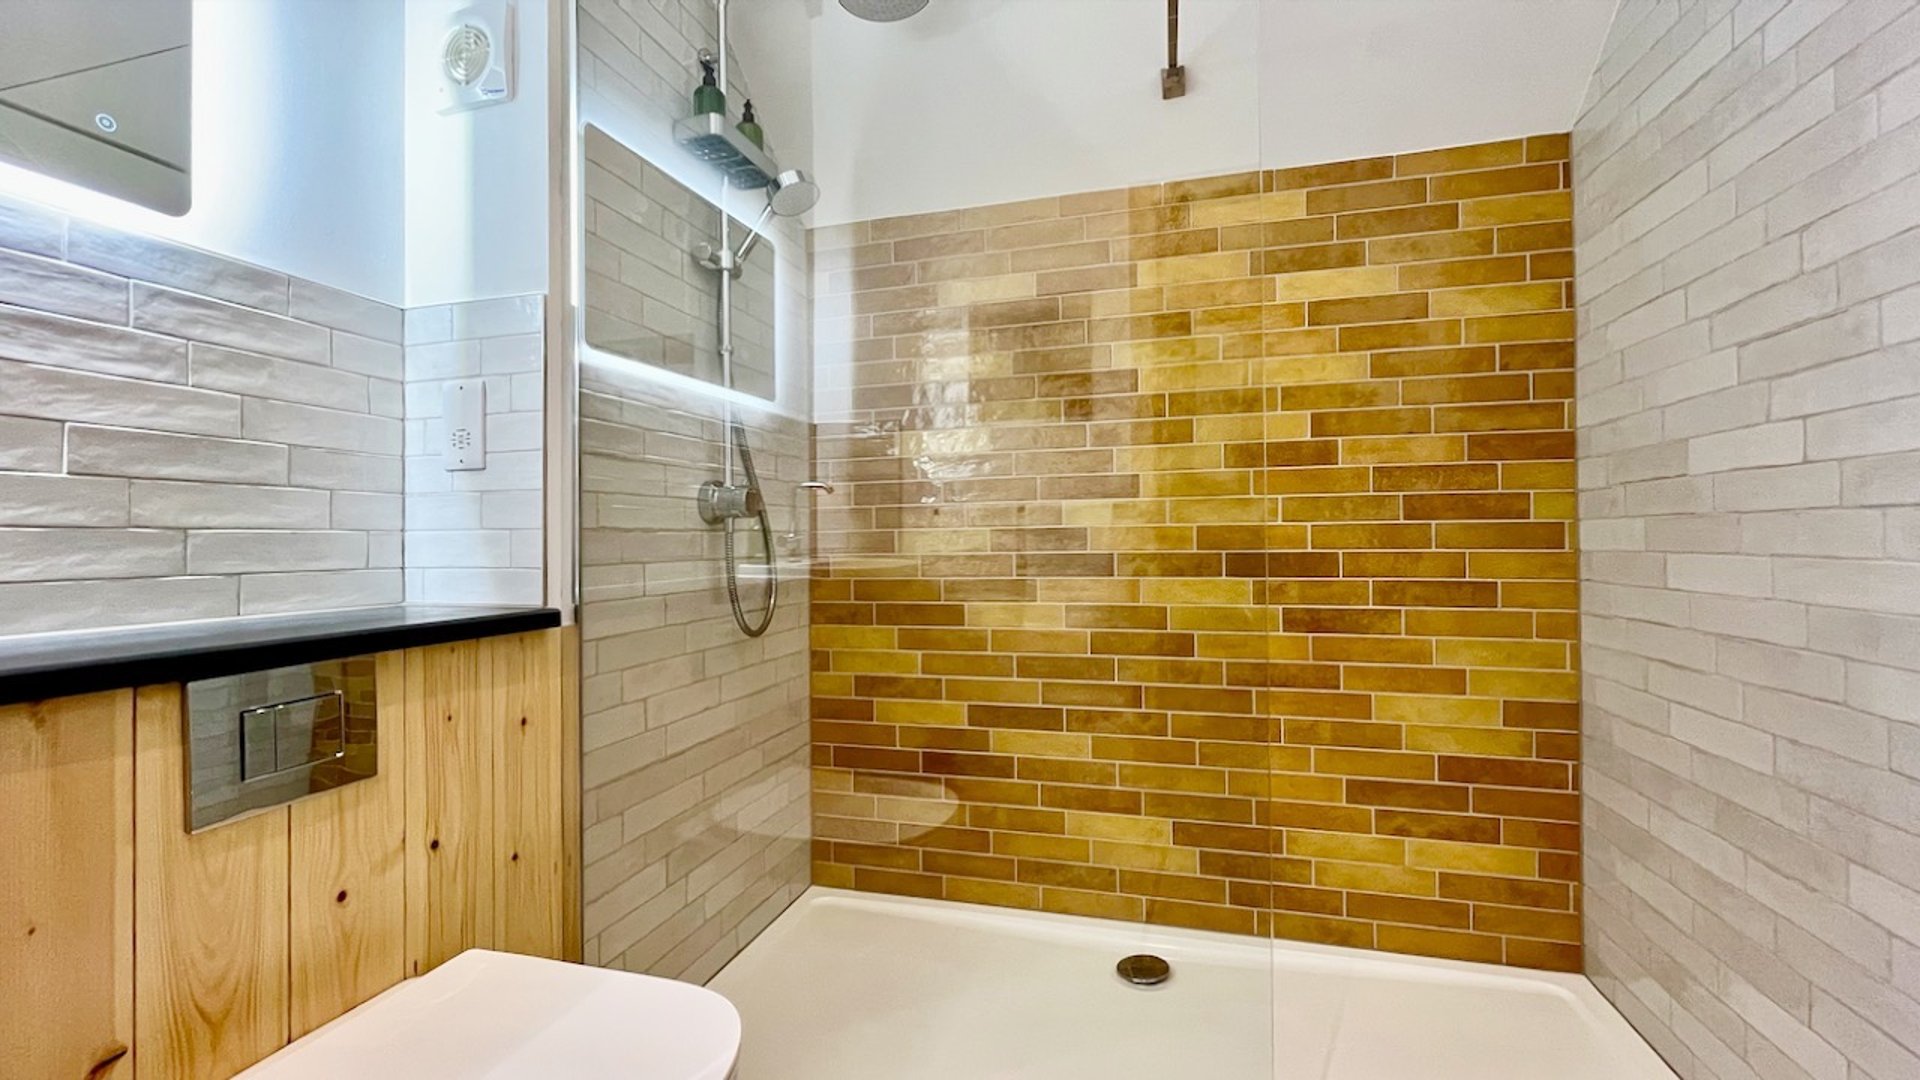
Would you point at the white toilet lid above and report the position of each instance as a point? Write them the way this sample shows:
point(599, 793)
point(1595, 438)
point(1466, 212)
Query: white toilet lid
point(507, 1017)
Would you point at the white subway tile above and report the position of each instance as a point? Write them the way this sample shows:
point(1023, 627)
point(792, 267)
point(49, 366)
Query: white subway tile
point(55, 554)
point(1899, 99)
point(315, 303)
point(51, 285)
point(1900, 316)
point(1863, 224)
point(30, 445)
point(1855, 534)
point(90, 605)
point(146, 258)
point(256, 551)
point(186, 505)
point(271, 594)
point(1879, 428)
point(511, 509)
point(200, 319)
point(379, 359)
point(1849, 333)
point(1891, 264)
point(482, 586)
point(30, 228)
point(59, 394)
point(1807, 106)
point(430, 549)
point(40, 338)
point(1854, 583)
point(367, 511)
point(1800, 300)
point(1893, 372)
point(340, 470)
point(331, 429)
point(39, 499)
point(1726, 575)
point(1886, 480)
point(106, 451)
point(282, 380)
point(1780, 443)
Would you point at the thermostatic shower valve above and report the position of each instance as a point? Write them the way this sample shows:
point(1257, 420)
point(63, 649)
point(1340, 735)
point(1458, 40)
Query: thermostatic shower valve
point(720, 502)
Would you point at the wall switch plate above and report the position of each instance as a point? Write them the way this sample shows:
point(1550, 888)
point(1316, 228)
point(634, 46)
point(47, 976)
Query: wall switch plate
point(463, 409)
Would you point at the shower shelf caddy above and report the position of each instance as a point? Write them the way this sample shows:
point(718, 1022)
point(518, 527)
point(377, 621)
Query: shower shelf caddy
point(712, 139)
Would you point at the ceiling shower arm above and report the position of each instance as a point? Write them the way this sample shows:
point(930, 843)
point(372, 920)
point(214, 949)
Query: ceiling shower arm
point(1173, 77)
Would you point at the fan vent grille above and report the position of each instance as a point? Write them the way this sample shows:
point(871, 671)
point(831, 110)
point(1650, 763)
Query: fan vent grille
point(467, 53)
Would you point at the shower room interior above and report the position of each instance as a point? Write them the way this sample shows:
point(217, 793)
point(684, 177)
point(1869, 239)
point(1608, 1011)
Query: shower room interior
point(958, 539)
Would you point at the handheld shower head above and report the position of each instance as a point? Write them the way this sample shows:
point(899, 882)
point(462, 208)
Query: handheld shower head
point(789, 194)
point(883, 10)
point(792, 193)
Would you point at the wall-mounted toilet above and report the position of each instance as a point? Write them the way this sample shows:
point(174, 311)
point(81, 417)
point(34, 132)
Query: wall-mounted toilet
point(501, 1016)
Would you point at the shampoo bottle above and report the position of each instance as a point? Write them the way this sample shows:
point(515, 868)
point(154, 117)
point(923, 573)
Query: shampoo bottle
point(708, 97)
point(750, 127)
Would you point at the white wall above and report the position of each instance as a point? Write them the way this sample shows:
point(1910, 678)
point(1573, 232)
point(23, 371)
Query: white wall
point(984, 101)
point(1342, 79)
point(297, 129)
point(476, 182)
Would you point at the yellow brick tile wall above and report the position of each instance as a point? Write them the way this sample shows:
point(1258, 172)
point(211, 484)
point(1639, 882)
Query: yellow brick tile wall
point(1202, 554)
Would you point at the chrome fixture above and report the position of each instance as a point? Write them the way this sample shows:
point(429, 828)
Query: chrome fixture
point(883, 10)
point(264, 738)
point(1144, 969)
point(721, 502)
point(789, 194)
point(816, 487)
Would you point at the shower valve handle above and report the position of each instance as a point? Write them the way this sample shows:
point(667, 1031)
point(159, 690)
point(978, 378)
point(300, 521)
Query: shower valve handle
point(718, 502)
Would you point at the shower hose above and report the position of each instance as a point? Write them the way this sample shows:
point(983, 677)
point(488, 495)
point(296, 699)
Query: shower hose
point(748, 627)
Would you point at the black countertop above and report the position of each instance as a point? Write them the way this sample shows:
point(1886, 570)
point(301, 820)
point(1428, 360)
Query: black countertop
point(39, 666)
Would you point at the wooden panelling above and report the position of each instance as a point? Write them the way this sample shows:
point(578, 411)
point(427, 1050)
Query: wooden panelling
point(450, 752)
point(572, 837)
point(210, 918)
point(66, 898)
point(347, 908)
point(524, 709)
point(260, 929)
point(491, 859)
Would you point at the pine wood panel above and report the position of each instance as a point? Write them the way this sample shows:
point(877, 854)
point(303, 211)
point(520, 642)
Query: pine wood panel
point(210, 918)
point(571, 835)
point(525, 711)
point(66, 899)
point(260, 929)
point(450, 791)
point(347, 908)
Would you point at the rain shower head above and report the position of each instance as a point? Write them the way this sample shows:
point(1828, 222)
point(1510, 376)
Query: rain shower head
point(883, 10)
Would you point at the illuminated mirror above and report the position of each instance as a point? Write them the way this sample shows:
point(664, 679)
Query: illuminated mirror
point(648, 295)
point(99, 93)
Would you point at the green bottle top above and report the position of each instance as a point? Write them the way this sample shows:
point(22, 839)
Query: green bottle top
point(750, 127)
point(708, 97)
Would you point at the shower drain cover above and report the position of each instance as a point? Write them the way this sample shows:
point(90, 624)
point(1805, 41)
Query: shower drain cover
point(1144, 969)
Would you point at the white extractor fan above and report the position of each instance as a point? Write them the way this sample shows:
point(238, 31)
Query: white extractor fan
point(476, 57)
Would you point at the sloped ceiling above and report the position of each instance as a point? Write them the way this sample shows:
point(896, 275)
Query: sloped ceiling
point(982, 101)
